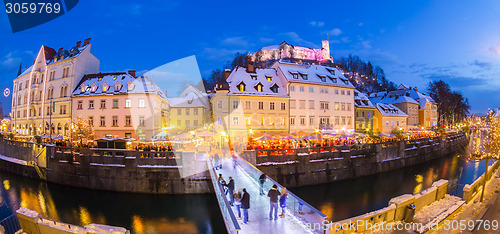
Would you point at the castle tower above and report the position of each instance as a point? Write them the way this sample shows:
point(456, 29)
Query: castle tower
point(326, 45)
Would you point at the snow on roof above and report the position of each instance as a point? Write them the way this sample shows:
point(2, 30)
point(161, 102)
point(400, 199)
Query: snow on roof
point(28, 70)
point(66, 54)
point(378, 94)
point(271, 84)
point(313, 74)
point(421, 98)
point(398, 99)
point(115, 83)
point(361, 100)
point(190, 97)
point(389, 110)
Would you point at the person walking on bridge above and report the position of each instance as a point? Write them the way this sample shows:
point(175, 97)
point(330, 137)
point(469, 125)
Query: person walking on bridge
point(237, 202)
point(262, 180)
point(245, 205)
point(230, 188)
point(273, 195)
point(284, 196)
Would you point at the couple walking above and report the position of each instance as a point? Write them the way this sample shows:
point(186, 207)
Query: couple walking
point(242, 200)
point(275, 196)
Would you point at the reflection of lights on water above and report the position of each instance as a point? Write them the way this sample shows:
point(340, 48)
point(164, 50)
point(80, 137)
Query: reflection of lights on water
point(417, 188)
point(327, 209)
point(419, 178)
point(137, 224)
point(85, 217)
point(6, 184)
point(41, 201)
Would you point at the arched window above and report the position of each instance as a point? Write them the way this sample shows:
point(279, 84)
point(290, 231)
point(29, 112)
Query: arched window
point(62, 91)
point(66, 91)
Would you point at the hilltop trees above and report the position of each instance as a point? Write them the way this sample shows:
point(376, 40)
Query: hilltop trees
point(363, 75)
point(452, 106)
point(218, 74)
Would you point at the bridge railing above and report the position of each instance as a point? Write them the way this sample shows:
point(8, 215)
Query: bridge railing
point(230, 221)
point(305, 214)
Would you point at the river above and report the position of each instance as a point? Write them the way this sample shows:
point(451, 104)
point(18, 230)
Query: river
point(143, 213)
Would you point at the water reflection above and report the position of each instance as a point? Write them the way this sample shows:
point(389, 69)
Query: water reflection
point(349, 198)
point(140, 213)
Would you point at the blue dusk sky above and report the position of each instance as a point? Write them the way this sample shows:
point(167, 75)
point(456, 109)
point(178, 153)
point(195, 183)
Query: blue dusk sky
point(415, 42)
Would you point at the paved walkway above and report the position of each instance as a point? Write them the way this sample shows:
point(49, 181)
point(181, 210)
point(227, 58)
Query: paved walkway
point(258, 214)
point(493, 213)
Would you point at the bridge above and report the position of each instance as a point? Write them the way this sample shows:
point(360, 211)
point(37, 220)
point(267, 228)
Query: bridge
point(300, 216)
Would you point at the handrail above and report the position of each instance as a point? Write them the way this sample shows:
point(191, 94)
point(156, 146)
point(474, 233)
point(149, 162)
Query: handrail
point(279, 185)
point(218, 186)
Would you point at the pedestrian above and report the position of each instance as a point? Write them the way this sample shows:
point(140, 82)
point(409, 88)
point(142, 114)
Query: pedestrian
point(230, 190)
point(245, 205)
point(237, 202)
point(222, 182)
point(216, 161)
point(262, 180)
point(284, 196)
point(273, 195)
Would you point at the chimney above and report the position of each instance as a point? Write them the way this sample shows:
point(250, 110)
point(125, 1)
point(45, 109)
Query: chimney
point(131, 72)
point(166, 92)
point(60, 50)
point(78, 43)
point(86, 41)
point(262, 64)
point(250, 68)
point(227, 72)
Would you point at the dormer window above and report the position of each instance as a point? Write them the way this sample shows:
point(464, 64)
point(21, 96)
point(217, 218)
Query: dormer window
point(269, 78)
point(130, 86)
point(304, 76)
point(331, 71)
point(254, 77)
point(274, 88)
point(334, 80)
point(99, 79)
point(241, 87)
point(118, 86)
point(93, 87)
point(105, 87)
point(83, 88)
point(346, 82)
point(259, 87)
point(323, 78)
point(114, 78)
point(295, 75)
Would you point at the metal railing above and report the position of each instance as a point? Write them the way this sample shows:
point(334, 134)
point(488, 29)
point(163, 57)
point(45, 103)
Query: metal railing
point(10, 224)
point(230, 221)
point(304, 212)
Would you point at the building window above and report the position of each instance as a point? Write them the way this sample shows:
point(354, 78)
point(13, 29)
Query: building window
point(283, 121)
point(311, 104)
point(247, 105)
point(302, 104)
point(235, 104)
point(195, 111)
point(343, 120)
point(271, 121)
point(241, 87)
point(142, 103)
point(283, 106)
point(292, 88)
point(103, 104)
point(141, 121)
point(80, 105)
point(274, 88)
point(304, 76)
point(311, 120)
point(348, 92)
point(348, 120)
point(271, 106)
point(261, 121)
point(342, 92)
point(219, 104)
point(187, 111)
point(311, 89)
point(91, 104)
point(292, 120)
point(292, 104)
point(115, 121)
point(336, 91)
point(261, 105)
point(259, 87)
point(301, 88)
point(195, 123)
point(91, 121)
point(269, 78)
point(128, 121)
point(302, 120)
point(348, 106)
point(178, 123)
point(337, 106)
point(343, 106)
point(62, 109)
point(235, 120)
point(128, 103)
point(115, 103)
point(187, 123)
point(324, 105)
point(103, 121)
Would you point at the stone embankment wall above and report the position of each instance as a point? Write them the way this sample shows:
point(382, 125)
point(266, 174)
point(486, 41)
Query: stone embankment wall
point(309, 166)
